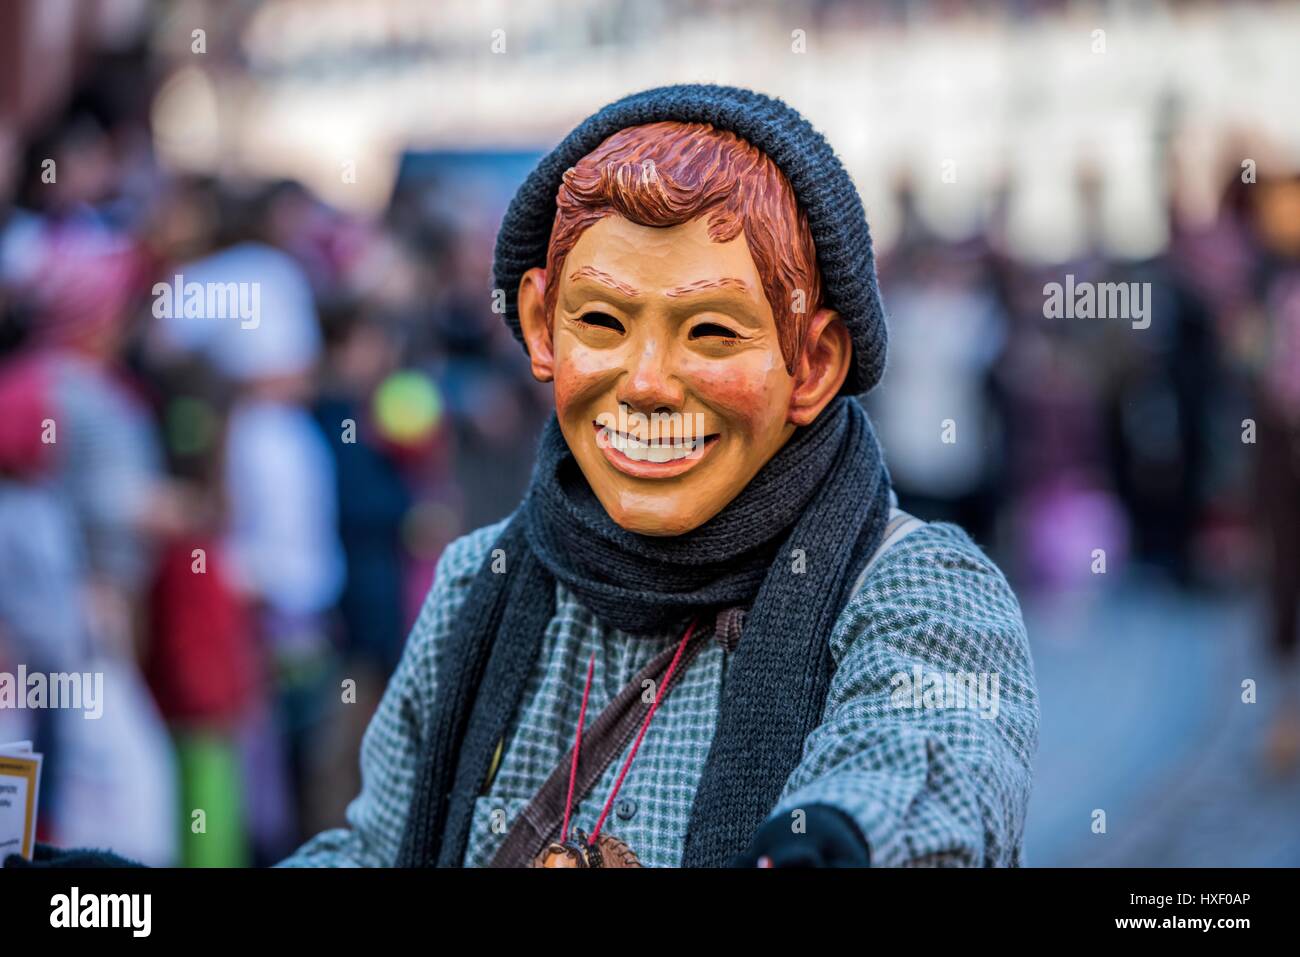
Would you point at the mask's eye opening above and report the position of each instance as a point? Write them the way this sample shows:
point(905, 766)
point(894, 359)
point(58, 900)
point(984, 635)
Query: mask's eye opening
point(601, 320)
point(711, 330)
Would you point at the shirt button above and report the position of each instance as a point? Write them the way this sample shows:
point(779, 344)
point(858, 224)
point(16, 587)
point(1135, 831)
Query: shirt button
point(625, 808)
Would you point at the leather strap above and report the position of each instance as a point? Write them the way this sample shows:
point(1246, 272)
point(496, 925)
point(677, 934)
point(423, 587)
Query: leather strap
point(603, 740)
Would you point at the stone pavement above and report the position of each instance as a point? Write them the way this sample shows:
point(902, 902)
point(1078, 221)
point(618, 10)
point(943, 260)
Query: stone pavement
point(1142, 717)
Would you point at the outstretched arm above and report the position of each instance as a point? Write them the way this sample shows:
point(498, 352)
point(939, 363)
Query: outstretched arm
point(931, 722)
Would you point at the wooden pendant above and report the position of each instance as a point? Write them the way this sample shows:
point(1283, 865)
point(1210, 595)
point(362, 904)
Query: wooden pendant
point(579, 852)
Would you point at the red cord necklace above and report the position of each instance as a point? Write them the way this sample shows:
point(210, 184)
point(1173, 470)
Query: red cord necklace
point(587, 849)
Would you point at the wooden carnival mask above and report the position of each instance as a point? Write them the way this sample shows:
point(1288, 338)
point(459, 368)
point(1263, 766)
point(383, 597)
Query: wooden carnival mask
point(679, 319)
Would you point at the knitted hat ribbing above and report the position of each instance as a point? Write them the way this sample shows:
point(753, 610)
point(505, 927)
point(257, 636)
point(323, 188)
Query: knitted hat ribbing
point(823, 188)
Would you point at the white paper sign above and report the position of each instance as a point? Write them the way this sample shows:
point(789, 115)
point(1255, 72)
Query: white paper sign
point(20, 782)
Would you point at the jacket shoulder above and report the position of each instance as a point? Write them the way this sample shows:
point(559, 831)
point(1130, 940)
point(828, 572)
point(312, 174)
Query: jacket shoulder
point(453, 579)
point(937, 590)
point(462, 559)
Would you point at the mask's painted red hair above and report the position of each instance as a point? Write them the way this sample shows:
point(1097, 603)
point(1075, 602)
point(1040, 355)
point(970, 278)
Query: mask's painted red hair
point(666, 174)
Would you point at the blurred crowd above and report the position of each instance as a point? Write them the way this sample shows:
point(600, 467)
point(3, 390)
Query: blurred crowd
point(1165, 454)
point(235, 518)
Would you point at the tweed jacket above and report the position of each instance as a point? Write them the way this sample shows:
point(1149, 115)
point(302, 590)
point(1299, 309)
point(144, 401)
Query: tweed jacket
point(926, 739)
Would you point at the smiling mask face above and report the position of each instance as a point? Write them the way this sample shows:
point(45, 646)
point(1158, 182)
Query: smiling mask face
point(672, 388)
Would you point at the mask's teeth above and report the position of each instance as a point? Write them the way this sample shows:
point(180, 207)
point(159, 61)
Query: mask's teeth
point(662, 450)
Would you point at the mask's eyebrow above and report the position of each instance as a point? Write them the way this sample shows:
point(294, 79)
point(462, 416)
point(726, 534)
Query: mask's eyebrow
point(605, 279)
point(707, 285)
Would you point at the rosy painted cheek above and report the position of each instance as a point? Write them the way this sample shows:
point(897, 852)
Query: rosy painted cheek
point(749, 395)
point(582, 375)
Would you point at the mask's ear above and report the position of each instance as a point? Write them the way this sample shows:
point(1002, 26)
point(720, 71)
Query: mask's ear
point(822, 367)
point(532, 321)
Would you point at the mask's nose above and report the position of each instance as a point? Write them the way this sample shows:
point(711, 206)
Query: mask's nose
point(650, 385)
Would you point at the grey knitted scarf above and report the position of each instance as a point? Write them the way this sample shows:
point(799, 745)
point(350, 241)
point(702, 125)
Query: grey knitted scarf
point(788, 548)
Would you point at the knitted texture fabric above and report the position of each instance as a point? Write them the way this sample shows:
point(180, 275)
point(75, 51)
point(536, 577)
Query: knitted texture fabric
point(791, 544)
point(643, 584)
point(486, 677)
point(821, 185)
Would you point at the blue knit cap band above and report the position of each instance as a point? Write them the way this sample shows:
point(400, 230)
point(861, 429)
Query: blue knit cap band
point(820, 182)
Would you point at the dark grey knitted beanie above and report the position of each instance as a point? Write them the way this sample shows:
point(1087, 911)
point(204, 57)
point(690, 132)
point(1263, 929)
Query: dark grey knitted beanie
point(823, 188)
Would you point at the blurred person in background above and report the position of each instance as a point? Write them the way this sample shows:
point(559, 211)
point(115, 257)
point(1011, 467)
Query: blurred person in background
point(1158, 389)
point(41, 564)
point(1057, 479)
point(281, 541)
point(202, 662)
point(78, 282)
point(375, 500)
point(949, 329)
point(1275, 224)
point(492, 403)
point(362, 352)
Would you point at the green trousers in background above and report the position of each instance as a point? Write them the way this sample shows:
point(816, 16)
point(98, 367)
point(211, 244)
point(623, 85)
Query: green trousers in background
point(213, 833)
